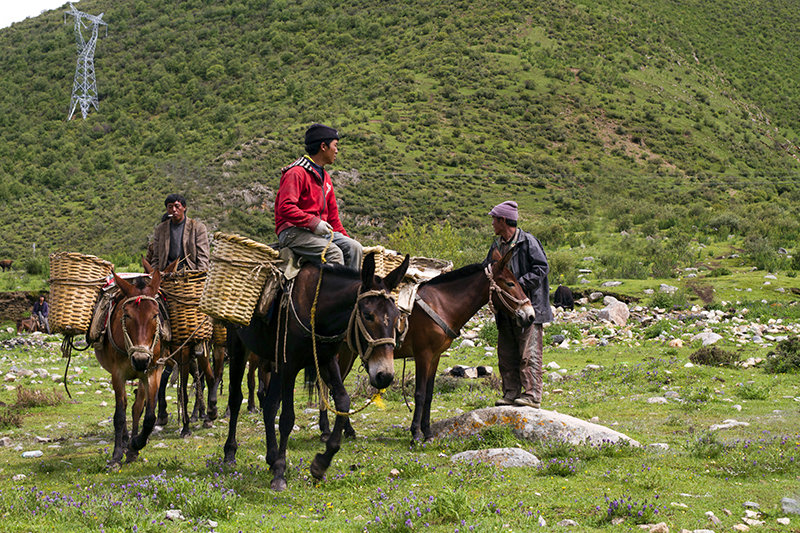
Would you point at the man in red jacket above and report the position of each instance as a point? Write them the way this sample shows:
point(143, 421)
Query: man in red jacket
point(306, 213)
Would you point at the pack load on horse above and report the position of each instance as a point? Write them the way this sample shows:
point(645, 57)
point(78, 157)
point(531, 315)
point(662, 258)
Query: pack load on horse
point(190, 348)
point(434, 311)
point(317, 309)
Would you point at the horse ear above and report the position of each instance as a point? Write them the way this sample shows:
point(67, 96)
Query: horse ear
point(155, 282)
point(368, 270)
point(394, 277)
point(148, 268)
point(496, 255)
point(505, 259)
point(126, 288)
point(171, 267)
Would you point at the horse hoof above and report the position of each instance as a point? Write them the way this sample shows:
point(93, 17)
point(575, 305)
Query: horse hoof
point(186, 433)
point(131, 457)
point(114, 465)
point(208, 424)
point(193, 418)
point(278, 484)
point(350, 434)
point(316, 469)
point(162, 421)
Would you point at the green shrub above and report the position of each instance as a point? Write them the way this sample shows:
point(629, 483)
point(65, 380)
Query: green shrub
point(713, 356)
point(37, 266)
point(563, 268)
point(751, 391)
point(663, 300)
point(705, 446)
point(717, 272)
point(488, 333)
point(785, 359)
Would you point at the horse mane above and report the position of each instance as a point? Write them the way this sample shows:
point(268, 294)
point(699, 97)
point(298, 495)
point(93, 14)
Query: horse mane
point(455, 275)
point(140, 282)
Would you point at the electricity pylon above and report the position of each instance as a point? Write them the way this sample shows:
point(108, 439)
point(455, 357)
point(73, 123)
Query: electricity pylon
point(84, 88)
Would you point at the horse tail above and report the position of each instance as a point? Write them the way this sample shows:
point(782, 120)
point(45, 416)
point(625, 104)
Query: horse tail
point(310, 382)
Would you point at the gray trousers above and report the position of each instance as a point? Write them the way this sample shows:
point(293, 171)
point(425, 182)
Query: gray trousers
point(44, 321)
point(519, 358)
point(343, 250)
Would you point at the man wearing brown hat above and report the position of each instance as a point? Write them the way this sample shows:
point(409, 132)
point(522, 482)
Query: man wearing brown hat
point(306, 213)
point(519, 349)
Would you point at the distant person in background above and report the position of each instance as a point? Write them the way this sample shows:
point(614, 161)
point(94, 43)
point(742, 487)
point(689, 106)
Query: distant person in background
point(519, 349)
point(306, 213)
point(41, 311)
point(179, 237)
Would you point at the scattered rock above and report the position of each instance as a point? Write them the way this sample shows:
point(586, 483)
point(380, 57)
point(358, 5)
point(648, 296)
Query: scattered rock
point(727, 424)
point(790, 505)
point(668, 289)
point(502, 457)
point(32, 454)
point(741, 527)
point(19, 477)
point(593, 297)
point(174, 515)
point(657, 400)
point(707, 337)
point(661, 527)
point(567, 523)
point(616, 312)
point(5, 442)
point(611, 284)
point(713, 518)
point(784, 521)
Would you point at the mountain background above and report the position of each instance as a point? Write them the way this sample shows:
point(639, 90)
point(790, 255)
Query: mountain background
point(671, 122)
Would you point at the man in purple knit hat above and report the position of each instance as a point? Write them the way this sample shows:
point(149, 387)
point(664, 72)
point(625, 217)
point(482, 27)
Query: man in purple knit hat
point(519, 349)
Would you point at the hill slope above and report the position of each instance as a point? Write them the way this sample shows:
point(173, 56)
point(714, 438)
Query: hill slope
point(445, 108)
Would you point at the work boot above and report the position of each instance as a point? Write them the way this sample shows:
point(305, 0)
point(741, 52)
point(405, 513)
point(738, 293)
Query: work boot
point(504, 401)
point(526, 401)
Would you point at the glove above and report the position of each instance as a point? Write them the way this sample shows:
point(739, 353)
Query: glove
point(323, 228)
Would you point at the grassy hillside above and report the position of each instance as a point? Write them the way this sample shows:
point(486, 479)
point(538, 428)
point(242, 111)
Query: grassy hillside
point(644, 116)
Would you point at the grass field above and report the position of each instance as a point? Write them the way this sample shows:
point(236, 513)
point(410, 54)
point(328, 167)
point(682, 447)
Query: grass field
point(378, 482)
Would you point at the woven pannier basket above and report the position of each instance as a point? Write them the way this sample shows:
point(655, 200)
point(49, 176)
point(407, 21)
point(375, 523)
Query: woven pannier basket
point(75, 284)
point(385, 260)
point(182, 291)
point(239, 270)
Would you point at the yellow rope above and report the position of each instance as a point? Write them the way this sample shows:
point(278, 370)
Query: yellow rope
point(377, 397)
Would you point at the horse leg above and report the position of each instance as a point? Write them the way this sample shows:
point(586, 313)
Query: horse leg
point(324, 423)
point(235, 373)
point(121, 404)
point(184, 391)
point(285, 424)
point(252, 369)
point(199, 409)
point(150, 386)
point(214, 378)
point(341, 400)
point(269, 397)
point(163, 417)
point(426, 410)
point(136, 410)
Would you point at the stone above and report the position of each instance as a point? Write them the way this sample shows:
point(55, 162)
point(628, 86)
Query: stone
point(554, 377)
point(751, 505)
point(659, 400)
point(5, 442)
point(19, 477)
point(558, 339)
point(541, 521)
point(713, 518)
point(567, 523)
point(728, 424)
point(32, 454)
point(675, 343)
point(741, 527)
point(790, 505)
point(529, 424)
point(466, 343)
point(593, 297)
point(661, 527)
point(668, 289)
point(616, 312)
point(611, 284)
point(707, 338)
point(784, 521)
point(501, 457)
point(552, 365)
point(663, 446)
point(174, 515)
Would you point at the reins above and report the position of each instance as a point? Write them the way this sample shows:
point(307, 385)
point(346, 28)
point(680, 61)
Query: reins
point(375, 398)
point(502, 295)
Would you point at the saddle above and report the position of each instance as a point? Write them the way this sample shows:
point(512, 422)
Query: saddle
point(105, 305)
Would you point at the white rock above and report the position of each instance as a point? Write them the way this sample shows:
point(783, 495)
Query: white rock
point(784, 521)
point(552, 365)
point(728, 424)
point(657, 400)
point(32, 454)
point(174, 514)
point(707, 337)
point(502, 457)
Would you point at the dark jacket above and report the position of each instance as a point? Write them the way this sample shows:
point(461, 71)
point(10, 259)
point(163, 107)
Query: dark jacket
point(529, 265)
point(44, 309)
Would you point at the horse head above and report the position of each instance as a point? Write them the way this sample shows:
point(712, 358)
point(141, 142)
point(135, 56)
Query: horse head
point(140, 321)
point(505, 292)
point(375, 321)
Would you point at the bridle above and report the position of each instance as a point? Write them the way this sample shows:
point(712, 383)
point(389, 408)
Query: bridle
point(130, 349)
point(509, 302)
point(356, 326)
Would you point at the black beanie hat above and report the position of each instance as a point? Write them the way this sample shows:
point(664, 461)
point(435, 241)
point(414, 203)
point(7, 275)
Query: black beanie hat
point(320, 132)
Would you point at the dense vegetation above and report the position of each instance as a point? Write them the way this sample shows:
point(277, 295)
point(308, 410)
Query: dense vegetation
point(677, 121)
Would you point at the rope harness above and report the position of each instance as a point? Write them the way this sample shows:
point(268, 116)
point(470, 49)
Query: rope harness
point(130, 348)
point(356, 325)
point(505, 298)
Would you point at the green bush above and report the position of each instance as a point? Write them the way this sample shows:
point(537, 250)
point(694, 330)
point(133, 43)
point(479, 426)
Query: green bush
point(563, 268)
point(713, 356)
point(785, 359)
point(488, 333)
point(37, 266)
point(663, 300)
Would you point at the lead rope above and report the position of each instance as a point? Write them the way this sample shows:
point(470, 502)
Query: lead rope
point(503, 296)
point(376, 398)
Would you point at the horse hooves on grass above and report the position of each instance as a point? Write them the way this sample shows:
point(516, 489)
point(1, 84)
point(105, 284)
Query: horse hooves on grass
point(114, 465)
point(131, 456)
point(162, 421)
point(208, 423)
point(186, 433)
point(278, 484)
point(350, 434)
point(317, 470)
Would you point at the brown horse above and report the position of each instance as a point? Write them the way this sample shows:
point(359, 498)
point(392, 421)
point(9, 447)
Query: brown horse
point(130, 349)
point(348, 304)
point(5, 264)
point(30, 324)
point(454, 297)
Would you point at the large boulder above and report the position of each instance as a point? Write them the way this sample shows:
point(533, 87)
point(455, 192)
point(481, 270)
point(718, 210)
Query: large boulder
point(502, 457)
point(615, 311)
point(530, 424)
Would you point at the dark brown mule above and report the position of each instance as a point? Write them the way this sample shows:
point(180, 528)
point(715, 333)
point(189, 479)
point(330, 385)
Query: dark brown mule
point(455, 297)
point(130, 349)
point(348, 303)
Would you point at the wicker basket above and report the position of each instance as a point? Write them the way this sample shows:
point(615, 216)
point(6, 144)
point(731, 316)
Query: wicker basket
point(385, 260)
point(182, 291)
point(75, 283)
point(220, 333)
point(239, 270)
